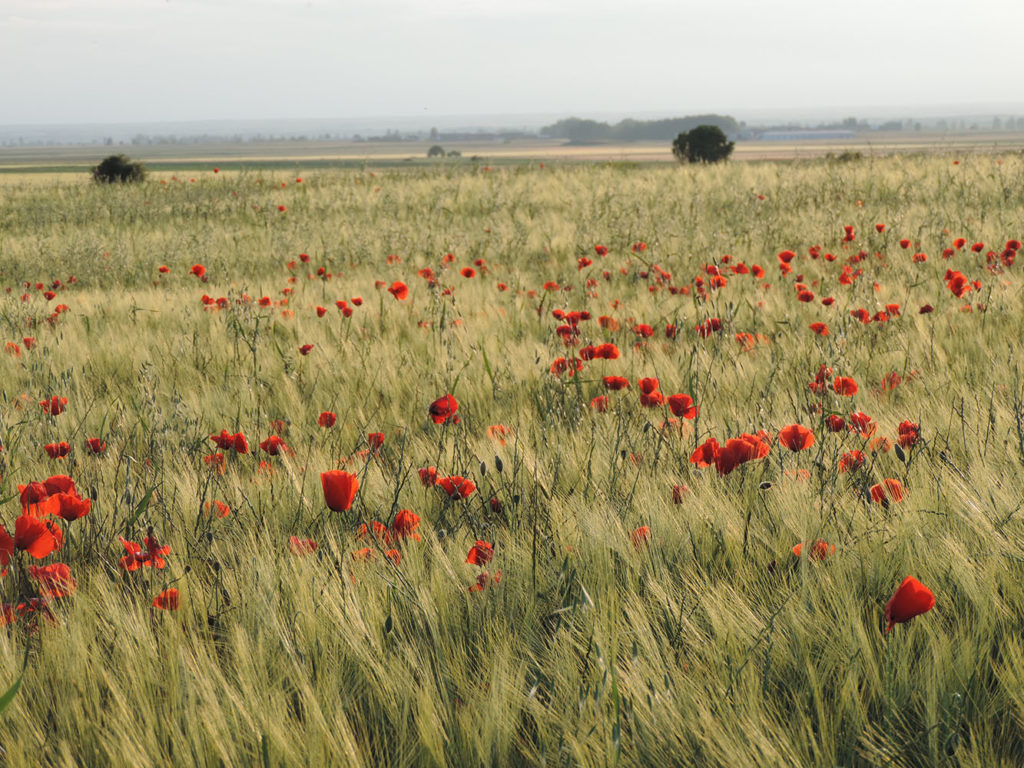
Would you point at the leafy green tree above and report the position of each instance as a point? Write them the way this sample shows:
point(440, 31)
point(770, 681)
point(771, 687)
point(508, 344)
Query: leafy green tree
point(436, 151)
point(703, 144)
point(118, 169)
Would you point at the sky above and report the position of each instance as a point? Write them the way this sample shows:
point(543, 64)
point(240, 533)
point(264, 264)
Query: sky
point(89, 61)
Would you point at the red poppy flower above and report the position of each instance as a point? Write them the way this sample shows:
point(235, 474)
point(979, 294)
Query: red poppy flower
point(498, 433)
point(480, 554)
point(216, 461)
point(339, 489)
point(641, 537)
point(851, 460)
point(606, 352)
point(706, 453)
point(54, 580)
point(648, 385)
point(880, 445)
point(600, 403)
point(6, 549)
point(561, 365)
point(616, 383)
point(299, 546)
point(399, 290)
point(957, 283)
point(844, 385)
point(820, 328)
point(739, 450)
point(57, 450)
point(66, 506)
point(95, 445)
point(198, 270)
point(911, 599)
point(163, 269)
point(713, 325)
point(168, 600)
point(652, 400)
point(678, 492)
point(428, 476)
point(796, 437)
point(53, 406)
point(327, 419)
point(442, 410)
point(223, 510)
point(37, 538)
point(380, 532)
point(154, 552)
point(59, 484)
point(273, 445)
point(33, 493)
point(375, 440)
point(819, 550)
point(910, 433)
point(888, 490)
point(682, 406)
point(456, 486)
point(861, 422)
point(483, 579)
point(405, 524)
point(305, 349)
point(835, 423)
point(467, 272)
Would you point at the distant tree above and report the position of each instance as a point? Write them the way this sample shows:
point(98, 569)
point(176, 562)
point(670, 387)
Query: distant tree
point(454, 153)
point(436, 151)
point(703, 144)
point(118, 168)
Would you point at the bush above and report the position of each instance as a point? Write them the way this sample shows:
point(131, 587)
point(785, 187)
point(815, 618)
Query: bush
point(847, 156)
point(436, 151)
point(118, 168)
point(703, 144)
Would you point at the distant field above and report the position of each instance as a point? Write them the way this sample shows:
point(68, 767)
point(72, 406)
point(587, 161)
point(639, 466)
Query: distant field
point(349, 154)
point(704, 422)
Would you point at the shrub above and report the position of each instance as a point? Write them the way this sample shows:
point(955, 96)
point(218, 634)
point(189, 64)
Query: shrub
point(703, 144)
point(118, 168)
point(436, 151)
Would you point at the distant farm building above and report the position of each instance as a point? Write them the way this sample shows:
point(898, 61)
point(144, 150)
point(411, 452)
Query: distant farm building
point(805, 135)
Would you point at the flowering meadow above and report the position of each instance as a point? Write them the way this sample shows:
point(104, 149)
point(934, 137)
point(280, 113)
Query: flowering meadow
point(576, 465)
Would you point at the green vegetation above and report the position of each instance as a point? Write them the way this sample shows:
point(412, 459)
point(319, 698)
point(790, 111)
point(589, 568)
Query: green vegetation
point(118, 169)
point(702, 641)
point(704, 144)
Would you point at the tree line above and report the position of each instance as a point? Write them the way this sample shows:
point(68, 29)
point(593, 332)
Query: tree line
point(577, 129)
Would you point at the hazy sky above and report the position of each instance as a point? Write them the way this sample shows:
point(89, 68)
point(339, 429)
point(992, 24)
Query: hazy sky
point(69, 61)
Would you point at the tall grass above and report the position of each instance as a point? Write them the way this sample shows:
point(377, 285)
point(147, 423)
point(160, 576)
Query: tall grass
point(711, 645)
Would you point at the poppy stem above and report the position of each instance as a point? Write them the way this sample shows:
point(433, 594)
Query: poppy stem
point(889, 675)
point(746, 527)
